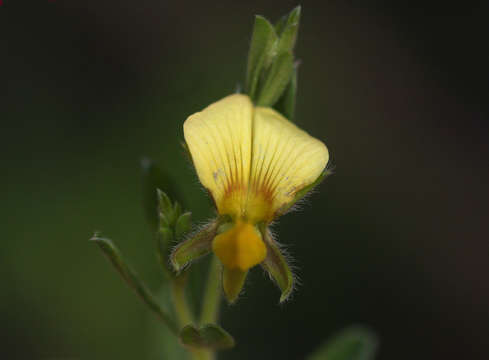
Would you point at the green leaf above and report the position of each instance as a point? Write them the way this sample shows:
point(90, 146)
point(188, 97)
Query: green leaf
point(276, 80)
point(261, 53)
point(280, 25)
point(164, 240)
point(153, 178)
point(193, 248)
point(165, 208)
point(177, 211)
point(288, 33)
point(115, 256)
point(164, 221)
point(183, 225)
point(276, 266)
point(286, 103)
point(354, 343)
point(210, 336)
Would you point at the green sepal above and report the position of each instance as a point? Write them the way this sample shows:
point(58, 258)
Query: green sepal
point(286, 104)
point(275, 264)
point(193, 248)
point(303, 192)
point(353, 343)
point(232, 283)
point(130, 276)
point(276, 80)
point(183, 224)
point(261, 53)
point(287, 31)
point(209, 336)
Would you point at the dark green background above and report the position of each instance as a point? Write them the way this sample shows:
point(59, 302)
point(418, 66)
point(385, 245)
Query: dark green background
point(397, 239)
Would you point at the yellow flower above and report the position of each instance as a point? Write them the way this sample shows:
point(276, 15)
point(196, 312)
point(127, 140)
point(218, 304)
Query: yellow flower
point(253, 162)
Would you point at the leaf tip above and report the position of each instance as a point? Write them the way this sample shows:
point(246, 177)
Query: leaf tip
point(295, 14)
point(97, 237)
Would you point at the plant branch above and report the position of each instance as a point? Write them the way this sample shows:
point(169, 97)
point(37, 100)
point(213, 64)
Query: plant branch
point(184, 314)
point(212, 295)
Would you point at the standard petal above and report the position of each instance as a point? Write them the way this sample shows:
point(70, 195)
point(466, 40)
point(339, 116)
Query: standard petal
point(285, 159)
point(219, 140)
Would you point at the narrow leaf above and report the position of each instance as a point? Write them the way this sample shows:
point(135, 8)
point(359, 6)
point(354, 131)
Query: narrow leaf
point(164, 240)
point(165, 221)
point(177, 210)
point(193, 248)
point(288, 33)
point(286, 103)
point(153, 178)
point(276, 80)
point(354, 343)
point(210, 336)
point(280, 25)
point(115, 256)
point(165, 207)
point(277, 267)
point(261, 52)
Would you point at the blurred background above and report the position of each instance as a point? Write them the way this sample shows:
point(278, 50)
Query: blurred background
point(396, 239)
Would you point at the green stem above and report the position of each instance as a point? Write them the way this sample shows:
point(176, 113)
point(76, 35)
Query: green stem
point(203, 355)
point(212, 295)
point(160, 242)
point(210, 304)
point(180, 301)
point(184, 314)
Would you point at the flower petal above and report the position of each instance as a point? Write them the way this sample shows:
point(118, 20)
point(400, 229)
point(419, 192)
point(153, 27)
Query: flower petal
point(232, 283)
point(240, 247)
point(252, 160)
point(219, 139)
point(285, 159)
